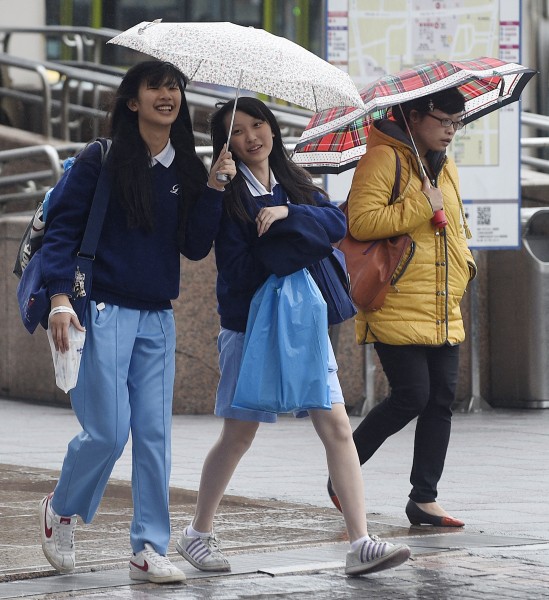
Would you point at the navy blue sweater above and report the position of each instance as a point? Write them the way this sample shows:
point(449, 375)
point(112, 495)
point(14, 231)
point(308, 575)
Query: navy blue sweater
point(133, 268)
point(240, 274)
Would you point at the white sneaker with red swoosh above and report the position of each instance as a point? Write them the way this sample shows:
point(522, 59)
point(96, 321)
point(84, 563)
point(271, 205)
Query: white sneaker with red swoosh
point(148, 565)
point(57, 534)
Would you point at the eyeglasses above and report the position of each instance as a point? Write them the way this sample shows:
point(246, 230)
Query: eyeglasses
point(457, 125)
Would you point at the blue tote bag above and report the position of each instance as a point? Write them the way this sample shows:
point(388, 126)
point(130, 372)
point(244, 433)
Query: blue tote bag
point(284, 365)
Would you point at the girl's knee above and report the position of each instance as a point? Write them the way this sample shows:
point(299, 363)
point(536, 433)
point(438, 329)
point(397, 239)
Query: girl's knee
point(334, 427)
point(109, 444)
point(238, 435)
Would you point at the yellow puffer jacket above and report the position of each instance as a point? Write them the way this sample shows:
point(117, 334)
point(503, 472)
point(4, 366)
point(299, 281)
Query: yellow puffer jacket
point(422, 307)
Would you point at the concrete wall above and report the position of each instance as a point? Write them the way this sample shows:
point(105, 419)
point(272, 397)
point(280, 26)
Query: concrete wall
point(26, 369)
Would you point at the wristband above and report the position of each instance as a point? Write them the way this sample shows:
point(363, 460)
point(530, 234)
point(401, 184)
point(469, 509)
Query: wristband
point(61, 309)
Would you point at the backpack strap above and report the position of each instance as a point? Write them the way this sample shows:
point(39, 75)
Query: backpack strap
point(98, 208)
point(105, 144)
point(396, 185)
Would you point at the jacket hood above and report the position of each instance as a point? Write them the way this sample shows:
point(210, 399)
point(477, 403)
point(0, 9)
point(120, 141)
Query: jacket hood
point(393, 135)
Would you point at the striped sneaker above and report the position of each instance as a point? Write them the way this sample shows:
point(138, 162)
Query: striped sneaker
point(202, 552)
point(373, 556)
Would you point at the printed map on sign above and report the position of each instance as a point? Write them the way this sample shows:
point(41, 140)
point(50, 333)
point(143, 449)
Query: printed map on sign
point(386, 36)
point(371, 38)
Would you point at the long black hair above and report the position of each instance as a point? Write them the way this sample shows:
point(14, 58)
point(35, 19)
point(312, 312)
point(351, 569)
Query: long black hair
point(130, 158)
point(296, 181)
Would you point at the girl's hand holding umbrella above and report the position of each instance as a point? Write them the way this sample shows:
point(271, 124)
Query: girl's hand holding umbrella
point(223, 166)
point(434, 195)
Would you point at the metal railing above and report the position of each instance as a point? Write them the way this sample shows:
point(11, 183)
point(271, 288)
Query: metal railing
point(539, 122)
point(68, 79)
point(32, 185)
point(62, 86)
point(86, 42)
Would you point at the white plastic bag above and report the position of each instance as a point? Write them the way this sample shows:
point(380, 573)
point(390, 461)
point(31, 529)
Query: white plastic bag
point(67, 364)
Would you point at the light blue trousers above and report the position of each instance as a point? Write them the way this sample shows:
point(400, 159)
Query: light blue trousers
point(125, 384)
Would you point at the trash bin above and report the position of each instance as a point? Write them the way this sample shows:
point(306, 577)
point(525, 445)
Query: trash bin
point(519, 317)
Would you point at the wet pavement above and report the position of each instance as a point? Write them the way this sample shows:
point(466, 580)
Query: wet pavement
point(276, 524)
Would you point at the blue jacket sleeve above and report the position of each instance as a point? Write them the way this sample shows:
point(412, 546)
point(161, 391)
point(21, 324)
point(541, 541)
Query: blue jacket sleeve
point(235, 262)
point(327, 214)
point(203, 224)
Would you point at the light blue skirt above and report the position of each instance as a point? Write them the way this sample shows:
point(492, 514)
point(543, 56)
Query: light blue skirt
point(229, 345)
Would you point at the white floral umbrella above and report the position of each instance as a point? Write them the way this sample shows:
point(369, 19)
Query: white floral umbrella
point(245, 57)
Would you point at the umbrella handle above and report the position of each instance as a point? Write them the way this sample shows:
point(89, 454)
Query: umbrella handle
point(222, 177)
point(439, 219)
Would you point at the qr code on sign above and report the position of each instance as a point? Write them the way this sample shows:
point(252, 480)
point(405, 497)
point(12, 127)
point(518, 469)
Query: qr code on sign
point(484, 215)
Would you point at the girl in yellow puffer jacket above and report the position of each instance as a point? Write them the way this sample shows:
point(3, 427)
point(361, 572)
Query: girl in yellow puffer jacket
point(418, 330)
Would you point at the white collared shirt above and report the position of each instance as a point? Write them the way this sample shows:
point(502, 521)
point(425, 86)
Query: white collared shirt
point(164, 157)
point(254, 185)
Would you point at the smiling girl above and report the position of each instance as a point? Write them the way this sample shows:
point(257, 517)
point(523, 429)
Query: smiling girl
point(125, 383)
point(268, 188)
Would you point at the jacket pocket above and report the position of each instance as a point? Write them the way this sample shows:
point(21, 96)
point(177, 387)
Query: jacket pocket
point(403, 265)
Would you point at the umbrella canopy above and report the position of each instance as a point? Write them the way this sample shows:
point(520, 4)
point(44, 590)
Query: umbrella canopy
point(335, 139)
point(236, 56)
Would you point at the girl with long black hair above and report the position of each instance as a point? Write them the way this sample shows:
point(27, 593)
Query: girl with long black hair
point(126, 377)
point(269, 188)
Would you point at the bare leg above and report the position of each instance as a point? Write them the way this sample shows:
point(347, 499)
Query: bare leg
point(335, 432)
point(235, 439)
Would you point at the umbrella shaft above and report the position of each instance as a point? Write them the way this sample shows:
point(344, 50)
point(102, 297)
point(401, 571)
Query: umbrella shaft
point(421, 167)
point(234, 109)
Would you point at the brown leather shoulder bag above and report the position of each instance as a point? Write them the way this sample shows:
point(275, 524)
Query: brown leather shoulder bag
point(372, 265)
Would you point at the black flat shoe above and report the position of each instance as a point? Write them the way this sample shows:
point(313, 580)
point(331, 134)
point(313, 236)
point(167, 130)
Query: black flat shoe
point(333, 495)
point(417, 516)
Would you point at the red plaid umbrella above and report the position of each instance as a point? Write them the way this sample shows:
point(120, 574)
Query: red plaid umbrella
point(335, 139)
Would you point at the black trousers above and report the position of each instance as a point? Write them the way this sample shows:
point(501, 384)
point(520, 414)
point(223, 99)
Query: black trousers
point(423, 384)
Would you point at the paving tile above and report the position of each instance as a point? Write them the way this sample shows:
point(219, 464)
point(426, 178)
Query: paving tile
point(277, 525)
